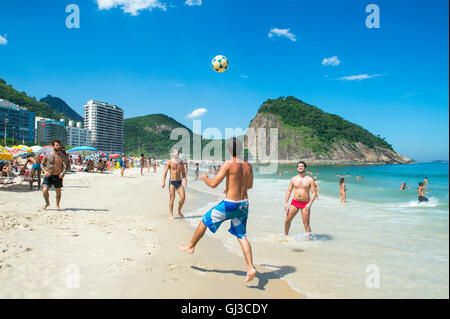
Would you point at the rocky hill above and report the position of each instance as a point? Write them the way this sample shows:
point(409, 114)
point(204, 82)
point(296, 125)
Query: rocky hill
point(59, 105)
point(305, 132)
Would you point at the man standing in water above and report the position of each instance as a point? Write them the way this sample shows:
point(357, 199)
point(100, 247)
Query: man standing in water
point(54, 168)
point(177, 176)
point(421, 192)
point(239, 178)
point(302, 185)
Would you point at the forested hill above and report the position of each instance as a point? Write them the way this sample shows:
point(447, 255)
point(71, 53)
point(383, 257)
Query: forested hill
point(150, 134)
point(7, 92)
point(59, 105)
point(307, 132)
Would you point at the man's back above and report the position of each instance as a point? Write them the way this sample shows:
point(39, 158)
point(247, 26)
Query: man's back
point(239, 179)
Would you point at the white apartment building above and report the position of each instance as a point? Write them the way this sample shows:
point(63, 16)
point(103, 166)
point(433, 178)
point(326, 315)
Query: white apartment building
point(105, 122)
point(77, 135)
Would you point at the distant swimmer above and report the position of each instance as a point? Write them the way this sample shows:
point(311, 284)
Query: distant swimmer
point(342, 190)
point(177, 177)
point(357, 177)
point(197, 170)
point(404, 186)
point(302, 185)
point(425, 181)
point(421, 192)
point(239, 178)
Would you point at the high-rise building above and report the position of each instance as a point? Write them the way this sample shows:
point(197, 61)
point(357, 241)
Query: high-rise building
point(77, 135)
point(105, 122)
point(17, 121)
point(48, 130)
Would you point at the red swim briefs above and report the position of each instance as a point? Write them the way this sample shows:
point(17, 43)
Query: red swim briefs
point(299, 204)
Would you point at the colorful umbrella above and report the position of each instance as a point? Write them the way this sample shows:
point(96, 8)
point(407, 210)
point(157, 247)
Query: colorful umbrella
point(23, 148)
point(82, 150)
point(5, 154)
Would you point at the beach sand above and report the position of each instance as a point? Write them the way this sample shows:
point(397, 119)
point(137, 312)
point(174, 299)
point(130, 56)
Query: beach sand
point(113, 239)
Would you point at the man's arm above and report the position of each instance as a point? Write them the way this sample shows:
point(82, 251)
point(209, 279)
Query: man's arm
point(288, 194)
point(250, 182)
point(166, 168)
point(313, 191)
point(184, 173)
point(216, 180)
point(44, 165)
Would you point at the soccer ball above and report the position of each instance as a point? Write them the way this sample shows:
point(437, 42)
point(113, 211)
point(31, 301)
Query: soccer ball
point(219, 63)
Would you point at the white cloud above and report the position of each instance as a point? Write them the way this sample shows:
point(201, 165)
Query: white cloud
point(359, 77)
point(131, 6)
point(333, 61)
point(197, 113)
point(3, 40)
point(193, 3)
point(286, 33)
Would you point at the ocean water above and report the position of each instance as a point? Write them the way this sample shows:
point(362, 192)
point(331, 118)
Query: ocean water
point(381, 243)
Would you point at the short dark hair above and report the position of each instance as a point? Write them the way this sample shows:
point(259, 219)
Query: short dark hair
point(142, 155)
point(234, 147)
point(420, 184)
point(56, 141)
point(301, 162)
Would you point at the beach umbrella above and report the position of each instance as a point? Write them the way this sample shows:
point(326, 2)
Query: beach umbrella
point(45, 149)
point(5, 154)
point(113, 156)
point(83, 150)
point(23, 148)
point(14, 151)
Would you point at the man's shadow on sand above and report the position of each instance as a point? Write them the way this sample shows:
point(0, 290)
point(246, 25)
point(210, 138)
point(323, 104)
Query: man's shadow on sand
point(263, 277)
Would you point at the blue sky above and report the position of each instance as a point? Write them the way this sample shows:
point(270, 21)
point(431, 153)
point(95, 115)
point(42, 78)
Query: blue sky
point(392, 80)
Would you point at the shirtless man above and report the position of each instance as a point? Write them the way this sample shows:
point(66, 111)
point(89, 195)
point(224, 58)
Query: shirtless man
point(35, 170)
point(239, 178)
point(177, 177)
point(404, 186)
point(142, 164)
point(54, 168)
point(421, 192)
point(302, 186)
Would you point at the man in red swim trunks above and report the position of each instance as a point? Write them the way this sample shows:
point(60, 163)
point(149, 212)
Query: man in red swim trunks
point(302, 185)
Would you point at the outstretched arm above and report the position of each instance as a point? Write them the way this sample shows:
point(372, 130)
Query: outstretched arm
point(288, 194)
point(216, 180)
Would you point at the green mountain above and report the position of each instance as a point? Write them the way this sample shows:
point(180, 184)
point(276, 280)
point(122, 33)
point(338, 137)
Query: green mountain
point(7, 92)
point(59, 105)
point(308, 133)
point(150, 134)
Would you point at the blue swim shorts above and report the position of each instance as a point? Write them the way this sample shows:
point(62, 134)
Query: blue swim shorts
point(237, 212)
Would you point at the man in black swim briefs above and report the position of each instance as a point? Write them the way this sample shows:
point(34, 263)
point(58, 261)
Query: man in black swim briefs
point(177, 177)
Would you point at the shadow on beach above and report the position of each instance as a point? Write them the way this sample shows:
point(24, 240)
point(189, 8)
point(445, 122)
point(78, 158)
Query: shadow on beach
point(263, 277)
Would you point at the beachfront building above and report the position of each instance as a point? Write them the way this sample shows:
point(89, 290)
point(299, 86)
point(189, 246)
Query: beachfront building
point(17, 122)
point(48, 130)
point(77, 135)
point(105, 122)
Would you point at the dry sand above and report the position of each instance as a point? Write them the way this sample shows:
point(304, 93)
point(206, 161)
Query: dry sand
point(113, 239)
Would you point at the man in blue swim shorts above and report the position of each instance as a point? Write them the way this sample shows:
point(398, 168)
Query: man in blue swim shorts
point(35, 169)
point(239, 178)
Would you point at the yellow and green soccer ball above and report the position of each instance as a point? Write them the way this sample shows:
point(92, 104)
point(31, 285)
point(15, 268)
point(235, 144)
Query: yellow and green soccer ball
point(219, 63)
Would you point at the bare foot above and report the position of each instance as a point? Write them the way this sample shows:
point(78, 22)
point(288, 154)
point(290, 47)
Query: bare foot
point(58, 208)
point(187, 248)
point(180, 215)
point(171, 217)
point(45, 207)
point(250, 275)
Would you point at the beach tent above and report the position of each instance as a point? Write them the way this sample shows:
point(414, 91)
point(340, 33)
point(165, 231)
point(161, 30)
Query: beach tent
point(83, 150)
point(5, 154)
point(45, 149)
